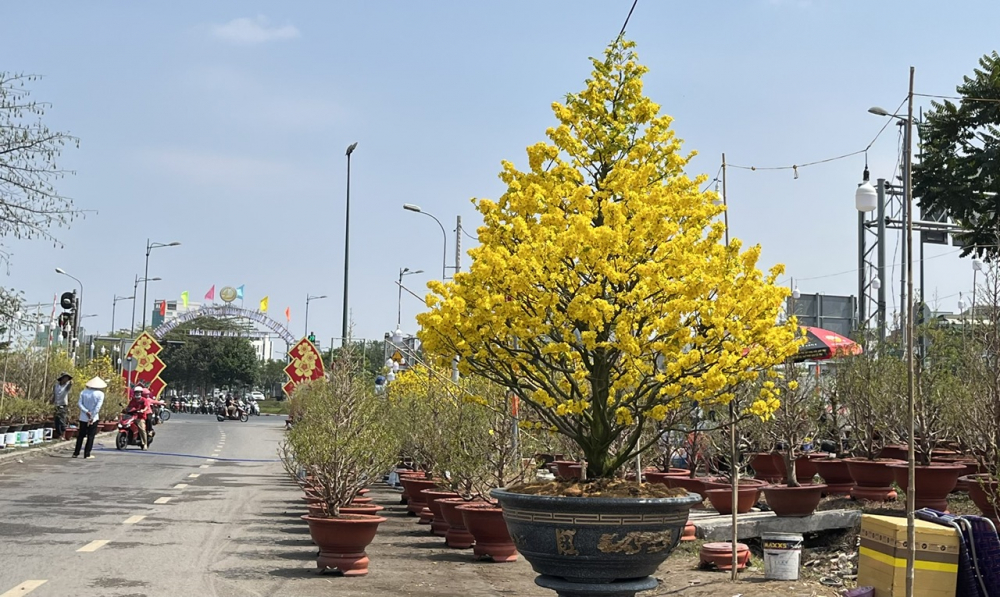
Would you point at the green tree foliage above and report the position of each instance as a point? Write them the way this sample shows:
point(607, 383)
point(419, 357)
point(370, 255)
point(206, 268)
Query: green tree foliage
point(959, 169)
point(198, 362)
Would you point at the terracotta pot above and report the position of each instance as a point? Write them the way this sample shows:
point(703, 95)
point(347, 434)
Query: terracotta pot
point(342, 541)
point(981, 488)
point(457, 535)
point(415, 502)
point(363, 491)
point(312, 499)
point(485, 522)
point(691, 484)
point(661, 477)
point(425, 516)
point(971, 468)
point(768, 466)
point(722, 499)
point(895, 452)
point(835, 475)
point(872, 479)
point(368, 509)
point(405, 497)
point(690, 532)
point(932, 484)
point(720, 555)
point(319, 510)
point(568, 470)
point(724, 483)
point(805, 466)
point(439, 526)
point(361, 501)
point(793, 501)
point(69, 433)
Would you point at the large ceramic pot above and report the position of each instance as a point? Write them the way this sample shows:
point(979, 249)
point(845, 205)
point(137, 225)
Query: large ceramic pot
point(405, 496)
point(971, 468)
point(594, 540)
point(722, 499)
point(439, 526)
point(793, 501)
point(768, 466)
point(982, 487)
point(485, 522)
point(835, 475)
point(932, 483)
point(415, 502)
point(368, 509)
point(342, 541)
point(457, 536)
point(872, 479)
point(661, 477)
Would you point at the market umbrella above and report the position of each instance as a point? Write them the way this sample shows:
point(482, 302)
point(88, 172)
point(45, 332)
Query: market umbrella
point(823, 344)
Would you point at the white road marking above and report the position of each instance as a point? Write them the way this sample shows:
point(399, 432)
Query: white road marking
point(209, 460)
point(94, 545)
point(24, 588)
point(133, 519)
point(162, 500)
point(193, 476)
point(203, 466)
point(180, 486)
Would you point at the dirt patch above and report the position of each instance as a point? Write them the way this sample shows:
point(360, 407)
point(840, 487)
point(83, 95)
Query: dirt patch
point(608, 488)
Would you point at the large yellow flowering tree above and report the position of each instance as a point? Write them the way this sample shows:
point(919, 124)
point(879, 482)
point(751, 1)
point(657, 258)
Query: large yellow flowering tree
point(602, 292)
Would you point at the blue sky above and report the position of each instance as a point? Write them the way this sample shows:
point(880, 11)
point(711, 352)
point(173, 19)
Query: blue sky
point(223, 125)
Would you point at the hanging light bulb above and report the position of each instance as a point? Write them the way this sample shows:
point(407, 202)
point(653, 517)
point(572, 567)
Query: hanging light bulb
point(796, 294)
point(876, 283)
point(866, 197)
point(977, 264)
point(718, 195)
point(397, 336)
point(795, 172)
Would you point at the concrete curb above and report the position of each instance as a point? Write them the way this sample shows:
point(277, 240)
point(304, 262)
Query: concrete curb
point(7, 456)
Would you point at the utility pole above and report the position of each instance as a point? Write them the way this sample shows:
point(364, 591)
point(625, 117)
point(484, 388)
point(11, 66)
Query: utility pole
point(458, 244)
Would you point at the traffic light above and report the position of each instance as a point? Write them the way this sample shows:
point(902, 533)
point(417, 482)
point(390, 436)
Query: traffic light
point(312, 337)
point(69, 318)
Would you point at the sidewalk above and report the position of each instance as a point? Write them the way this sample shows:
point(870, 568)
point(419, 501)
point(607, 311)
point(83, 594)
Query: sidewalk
point(12, 454)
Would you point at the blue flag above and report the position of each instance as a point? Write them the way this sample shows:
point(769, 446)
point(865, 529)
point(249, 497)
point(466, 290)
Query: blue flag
point(239, 293)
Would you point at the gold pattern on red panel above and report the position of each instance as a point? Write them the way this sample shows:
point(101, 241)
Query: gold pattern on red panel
point(305, 364)
point(146, 364)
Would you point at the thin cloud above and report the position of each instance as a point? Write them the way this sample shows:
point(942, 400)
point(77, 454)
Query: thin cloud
point(247, 31)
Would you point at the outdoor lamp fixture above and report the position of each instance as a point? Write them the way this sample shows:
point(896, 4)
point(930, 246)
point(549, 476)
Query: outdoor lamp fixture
point(399, 298)
point(978, 265)
point(444, 252)
point(865, 198)
point(397, 336)
point(309, 299)
point(135, 289)
point(149, 248)
point(876, 283)
point(796, 294)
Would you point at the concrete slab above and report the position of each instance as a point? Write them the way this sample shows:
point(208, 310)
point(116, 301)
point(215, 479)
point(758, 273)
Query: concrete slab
point(754, 524)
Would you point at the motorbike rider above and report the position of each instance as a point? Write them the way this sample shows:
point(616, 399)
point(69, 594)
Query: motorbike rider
point(137, 407)
point(230, 405)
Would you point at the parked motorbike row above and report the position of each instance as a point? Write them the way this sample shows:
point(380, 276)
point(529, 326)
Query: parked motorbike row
point(244, 408)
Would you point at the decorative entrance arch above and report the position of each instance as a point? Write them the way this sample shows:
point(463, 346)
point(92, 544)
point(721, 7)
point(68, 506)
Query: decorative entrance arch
point(219, 311)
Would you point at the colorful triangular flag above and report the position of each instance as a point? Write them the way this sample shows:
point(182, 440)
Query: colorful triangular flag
point(210, 295)
point(263, 305)
point(184, 299)
point(288, 314)
point(239, 292)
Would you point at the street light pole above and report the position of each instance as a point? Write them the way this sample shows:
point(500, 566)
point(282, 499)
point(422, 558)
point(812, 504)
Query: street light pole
point(308, 300)
point(114, 306)
point(444, 252)
point(149, 248)
point(347, 241)
point(135, 288)
point(399, 299)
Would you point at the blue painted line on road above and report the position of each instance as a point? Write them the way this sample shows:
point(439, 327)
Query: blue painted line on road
point(151, 453)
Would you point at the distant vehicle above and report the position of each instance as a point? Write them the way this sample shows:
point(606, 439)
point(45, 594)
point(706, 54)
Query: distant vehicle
point(255, 395)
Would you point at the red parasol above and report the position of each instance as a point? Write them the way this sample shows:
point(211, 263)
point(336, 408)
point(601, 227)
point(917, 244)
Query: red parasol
point(823, 344)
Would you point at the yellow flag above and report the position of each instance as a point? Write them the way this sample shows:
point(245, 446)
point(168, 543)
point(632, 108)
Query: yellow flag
point(263, 305)
point(184, 298)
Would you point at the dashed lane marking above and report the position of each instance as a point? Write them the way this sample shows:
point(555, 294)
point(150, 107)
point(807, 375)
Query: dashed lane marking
point(133, 519)
point(193, 476)
point(94, 545)
point(209, 460)
point(162, 500)
point(203, 466)
point(180, 486)
point(24, 588)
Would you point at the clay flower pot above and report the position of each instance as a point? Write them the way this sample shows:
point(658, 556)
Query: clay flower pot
point(485, 522)
point(981, 488)
point(895, 452)
point(319, 510)
point(439, 526)
point(768, 466)
point(457, 535)
point(661, 477)
point(836, 476)
point(408, 474)
point(415, 502)
point(69, 433)
point(342, 541)
point(568, 470)
point(368, 509)
point(691, 484)
point(425, 516)
point(872, 479)
point(805, 466)
point(722, 499)
point(793, 501)
point(361, 501)
point(971, 468)
point(720, 555)
point(932, 483)
point(724, 483)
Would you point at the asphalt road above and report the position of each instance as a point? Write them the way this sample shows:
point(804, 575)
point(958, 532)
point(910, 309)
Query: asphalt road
point(204, 512)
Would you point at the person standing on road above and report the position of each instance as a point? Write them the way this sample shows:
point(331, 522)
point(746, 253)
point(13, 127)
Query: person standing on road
point(91, 400)
point(60, 398)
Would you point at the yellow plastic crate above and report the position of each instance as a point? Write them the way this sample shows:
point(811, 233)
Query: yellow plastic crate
point(882, 557)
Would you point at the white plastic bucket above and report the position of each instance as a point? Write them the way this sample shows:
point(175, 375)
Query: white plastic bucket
point(10, 439)
point(782, 552)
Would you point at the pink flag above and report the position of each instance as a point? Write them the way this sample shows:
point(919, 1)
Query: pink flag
point(210, 295)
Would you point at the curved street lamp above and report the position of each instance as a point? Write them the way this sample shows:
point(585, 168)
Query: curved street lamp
point(135, 287)
point(444, 252)
point(149, 248)
point(309, 299)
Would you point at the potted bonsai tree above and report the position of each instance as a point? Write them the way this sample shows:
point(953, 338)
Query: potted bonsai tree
point(341, 442)
point(793, 423)
point(602, 294)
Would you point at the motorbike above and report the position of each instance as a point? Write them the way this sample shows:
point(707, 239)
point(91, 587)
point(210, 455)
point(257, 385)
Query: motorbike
point(128, 431)
point(240, 415)
point(254, 408)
